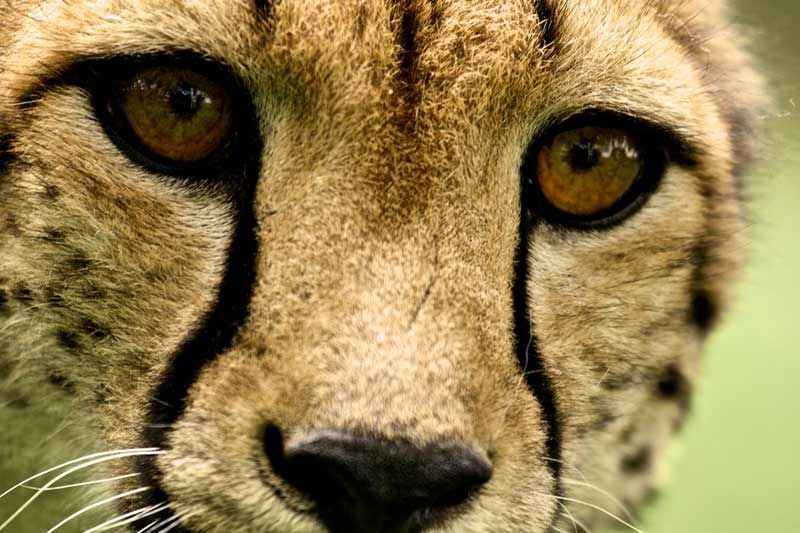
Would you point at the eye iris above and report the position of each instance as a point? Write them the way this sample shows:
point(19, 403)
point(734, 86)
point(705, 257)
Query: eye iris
point(178, 115)
point(586, 171)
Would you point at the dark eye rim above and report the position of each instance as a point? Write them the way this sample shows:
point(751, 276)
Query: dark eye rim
point(659, 147)
point(102, 76)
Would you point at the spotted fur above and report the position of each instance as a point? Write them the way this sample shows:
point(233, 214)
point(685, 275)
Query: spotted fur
point(372, 269)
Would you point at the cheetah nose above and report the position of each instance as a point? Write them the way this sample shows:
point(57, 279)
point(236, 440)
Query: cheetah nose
point(368, 485)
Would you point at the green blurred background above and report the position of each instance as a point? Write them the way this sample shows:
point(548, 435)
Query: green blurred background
point(737, 467)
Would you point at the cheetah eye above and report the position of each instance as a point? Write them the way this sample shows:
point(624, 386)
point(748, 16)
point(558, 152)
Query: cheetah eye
point(585, 175)
point(167, 116)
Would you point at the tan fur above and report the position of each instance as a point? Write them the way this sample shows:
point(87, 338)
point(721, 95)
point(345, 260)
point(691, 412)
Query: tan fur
point(388, 212)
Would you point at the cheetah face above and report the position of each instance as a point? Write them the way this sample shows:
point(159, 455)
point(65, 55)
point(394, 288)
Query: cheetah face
point(371, 266)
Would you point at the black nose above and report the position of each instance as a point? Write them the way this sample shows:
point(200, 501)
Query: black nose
point(367, 485)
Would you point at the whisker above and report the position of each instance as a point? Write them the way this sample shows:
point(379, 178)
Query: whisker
point(97, 504)
point(168, 522)
point(584, 482)
point(85, 483)
point(149, 527)
point(575, 521)
point(179, 519)
point(569, 516)
point(72, 462)
point(596, 508)
point(605, 493)
point(105, 457)
point(129, 517)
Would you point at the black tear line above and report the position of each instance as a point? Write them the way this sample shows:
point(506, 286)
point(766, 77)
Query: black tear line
point(406, 39)
point(5, 153)
point(263, 9)
point(213, 338)
point(529, 358)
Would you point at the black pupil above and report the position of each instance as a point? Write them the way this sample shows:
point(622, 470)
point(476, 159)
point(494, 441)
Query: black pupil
point(186, 100)
point(584, 156)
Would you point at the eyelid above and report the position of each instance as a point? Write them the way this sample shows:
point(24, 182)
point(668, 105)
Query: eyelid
point(681, 148)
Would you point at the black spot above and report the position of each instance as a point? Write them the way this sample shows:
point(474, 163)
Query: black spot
point(672, 383)
point(602, 420)
point(50, 192)
point(638, 462)
point(57, 380)
point(704, 312)
point(68, 340)
point(93, 329)
point(3, 300)
point(79, 262)
point(53, 298)
point(53, 235)
point(23, 294)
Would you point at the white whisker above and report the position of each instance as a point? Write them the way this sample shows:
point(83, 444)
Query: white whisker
point(176, 522)
point(104, 458)
point(605, 493)
point(72, 462)
point(569, 515)
point(595, 507)
point(584, 482)
point(85, 483)
point(166, 523)
point(149, 527)
point(97, 504)
point(127, 518)
point(575, 522)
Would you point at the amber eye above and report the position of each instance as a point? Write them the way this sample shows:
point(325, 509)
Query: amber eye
point(171, 115)
point(587, 171)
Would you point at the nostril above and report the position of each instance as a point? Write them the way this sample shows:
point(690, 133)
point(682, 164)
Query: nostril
point(366, 484)
point(304, 471)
